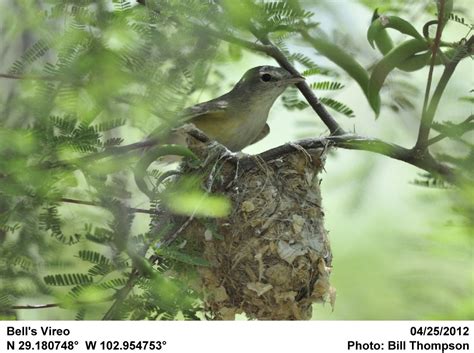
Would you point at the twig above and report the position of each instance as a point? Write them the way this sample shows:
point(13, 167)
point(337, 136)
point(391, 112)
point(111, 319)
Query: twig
point(273, 51)
point(33, 306)
point(308, 93)
point(26, 77)
point(55, 305)
point(465, 126)
point(108, 152)
point(429, 112)
point(90, 203)
point(121, 295)
point(346, 141)
point(425, 124)
point(356, 142)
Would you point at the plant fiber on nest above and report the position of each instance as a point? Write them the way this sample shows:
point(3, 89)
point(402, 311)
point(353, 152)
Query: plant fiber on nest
point(270, 258)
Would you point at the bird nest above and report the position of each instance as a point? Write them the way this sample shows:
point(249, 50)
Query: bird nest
point(270, 258)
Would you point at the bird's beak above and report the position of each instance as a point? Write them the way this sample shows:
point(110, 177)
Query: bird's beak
point(293, 79)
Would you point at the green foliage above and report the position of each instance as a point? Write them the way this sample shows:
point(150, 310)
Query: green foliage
point(92, 73)
point(292, 101)
point(327, 85)
point(338, 106)
point(459, 19)
point(67, 279)
point(93, 79)
point(186, 198)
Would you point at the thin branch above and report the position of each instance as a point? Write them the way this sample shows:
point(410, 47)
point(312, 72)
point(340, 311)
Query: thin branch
point(108, 152)
point(55, 305)
point(33, 77)
point(26, 77)
point(436, 139)
point(465, 126)
point(121, 295)
point(141, 267)
point(273, 51)
point(425, 124)
point(267, 49)
point(350, 142)
point(347, 141)
point(429, 113)
point(89, 203)
point(33, 306)
point(356, 142)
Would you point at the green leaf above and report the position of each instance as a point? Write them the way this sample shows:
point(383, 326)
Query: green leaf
point(326, 85)
point(338, 106)
point(468, 99)
point(377, 31)
point(235, 52)
point(198, 203)
point(93, 257)
point(68, 279)
point(389, 62)
point(346, 62)
point(459, 19)
point(185, 196)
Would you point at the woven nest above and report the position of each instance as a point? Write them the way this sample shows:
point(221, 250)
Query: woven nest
point(271, 258)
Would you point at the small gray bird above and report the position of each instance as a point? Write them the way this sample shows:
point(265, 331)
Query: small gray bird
point(238, 118)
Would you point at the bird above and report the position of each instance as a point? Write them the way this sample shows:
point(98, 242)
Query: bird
point(238, 118)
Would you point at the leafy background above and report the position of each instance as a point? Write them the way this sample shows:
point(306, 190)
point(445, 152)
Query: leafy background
point(401, 251)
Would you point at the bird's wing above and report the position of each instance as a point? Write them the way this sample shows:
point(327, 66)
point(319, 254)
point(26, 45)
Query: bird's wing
point(214, 107)
point(265, 131)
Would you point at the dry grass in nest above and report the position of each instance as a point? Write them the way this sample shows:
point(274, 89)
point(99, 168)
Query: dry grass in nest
point(270, 258)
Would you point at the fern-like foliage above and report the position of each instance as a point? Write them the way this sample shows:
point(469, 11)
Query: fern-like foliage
point(31, 55)
point(96, 71)
point(96, 76)
point(67, 279)
point(292, 101)
point(460, 20)
point(338, 106)
point(327, 85)
point(282, 15)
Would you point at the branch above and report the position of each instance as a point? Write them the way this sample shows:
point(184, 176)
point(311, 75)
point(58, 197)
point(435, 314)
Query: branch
point(33, 306)
point(26, 77)
point(430, 111)
point(350, 142)
point(111, 151)
point(465, 126)
point(89, 203)
point(121, 295)
point(356, 142)
point(425, 124)
point(141, 267)
point(273, 51)
point(55, 305)
point(266, 49)
point(308, 93)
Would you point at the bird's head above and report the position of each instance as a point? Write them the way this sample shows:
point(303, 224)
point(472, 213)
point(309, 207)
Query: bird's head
point(265, 82)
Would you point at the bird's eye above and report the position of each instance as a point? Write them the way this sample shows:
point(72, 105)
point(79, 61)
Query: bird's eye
point(266, 77)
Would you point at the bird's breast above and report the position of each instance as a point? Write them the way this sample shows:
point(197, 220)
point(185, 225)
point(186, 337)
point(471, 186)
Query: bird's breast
point(234, 129)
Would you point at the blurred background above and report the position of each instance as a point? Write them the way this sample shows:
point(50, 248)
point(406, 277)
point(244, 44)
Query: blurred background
point(401, 251)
